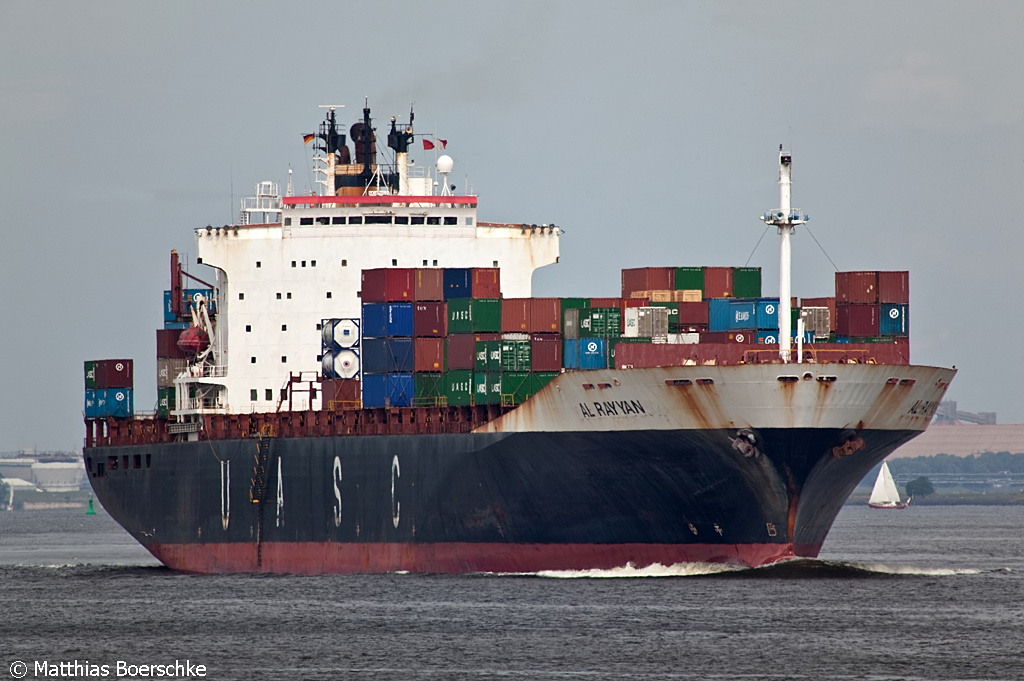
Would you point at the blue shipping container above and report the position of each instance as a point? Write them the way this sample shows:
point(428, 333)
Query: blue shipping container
point(168, 308)
point(767, 313)
point(387, 320)
point(177, 325)
point(116, 402)
point(387, 355)
point(375, 355)
point(585, 353)
point(893, 320)
point(771, 337)
point(729, 314)
point(92, 408)
point(457, 283)
point(192, 296)
point(387, 390)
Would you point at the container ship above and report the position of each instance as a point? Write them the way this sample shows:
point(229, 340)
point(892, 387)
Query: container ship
point(365, 384)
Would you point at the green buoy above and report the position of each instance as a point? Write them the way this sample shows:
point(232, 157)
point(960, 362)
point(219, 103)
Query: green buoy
point(90, 511)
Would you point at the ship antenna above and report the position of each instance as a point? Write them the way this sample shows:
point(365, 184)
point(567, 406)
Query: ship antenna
point(785, 218)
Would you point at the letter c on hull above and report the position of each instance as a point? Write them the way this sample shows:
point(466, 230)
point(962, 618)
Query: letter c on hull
point(396, 506)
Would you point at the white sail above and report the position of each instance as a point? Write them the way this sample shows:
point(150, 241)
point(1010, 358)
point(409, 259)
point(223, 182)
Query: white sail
point(884, 492)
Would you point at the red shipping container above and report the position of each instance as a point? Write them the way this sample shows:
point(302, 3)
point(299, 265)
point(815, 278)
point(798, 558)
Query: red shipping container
point(485, 282)
point(387, 285)
point(634, 302)
point(853, 319)
point(461, 351)
point(693, 314)
point(856, 287)
point(648, 279)
point(167, 343)
point(606, 302)
point(894, 287)
point(429, 319)
point(337, 391)
point(114, 373)
point(545, 315)
point(515, 315)
point(429, 355)
point(897, 353)
point(648, 355)
point(546, 352)
point(742, 337)
point(428, 284)
point(717, 282)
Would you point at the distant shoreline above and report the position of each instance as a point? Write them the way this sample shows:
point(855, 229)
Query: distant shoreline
point(952, 500)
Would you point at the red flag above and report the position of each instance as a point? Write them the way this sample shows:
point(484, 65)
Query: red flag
point(444, 143)
point(427, 144)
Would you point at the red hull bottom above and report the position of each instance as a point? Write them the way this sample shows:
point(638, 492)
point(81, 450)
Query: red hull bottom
point(337, 558)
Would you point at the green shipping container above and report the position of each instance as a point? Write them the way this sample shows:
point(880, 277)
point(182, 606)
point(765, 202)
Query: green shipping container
point(165, 402)
point(516, 386)
point(458, 388)
point(429, 390)
point(488, 355)
point(474, 315)
point(600, 322)
point(690, 278)
point(746, 282)
point(515, 356)
point(539, 379)
point(90, 375)
point(487, 388)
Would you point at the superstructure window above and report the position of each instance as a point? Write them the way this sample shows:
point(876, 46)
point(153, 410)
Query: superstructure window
point(312, 263)
point(328, 294)
point(258, 264)
point(252, 360)
point(401, 219)
point(469, 221)
point(241, 296)
point(394, 262)
point(305, 221)
point(254, 395)
point(279, 296)
point(344, 263)
point(451, 221)
point(284, 393)
point(284, 327)
point(323, 221)
point(284, 360)
point(287, 223)
point(435, 263)
point(424, 263)
point(378, 219)
point(248, 328)
point(433, 221)
point(338, 220)
point(269, 394)
point(293, 263)
point(355, 220)
point(289, 295)
point(417, 220)
point(303, 263)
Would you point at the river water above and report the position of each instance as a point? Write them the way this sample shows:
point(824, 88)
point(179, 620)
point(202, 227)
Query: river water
point(924, 593)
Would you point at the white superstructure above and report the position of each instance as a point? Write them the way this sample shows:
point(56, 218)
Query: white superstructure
point(276, 282)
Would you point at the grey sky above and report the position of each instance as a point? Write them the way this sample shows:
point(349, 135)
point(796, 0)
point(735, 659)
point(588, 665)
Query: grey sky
point(647, 130)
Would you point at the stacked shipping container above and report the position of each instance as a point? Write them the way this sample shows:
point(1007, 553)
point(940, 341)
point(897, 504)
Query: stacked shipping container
point(109, 388)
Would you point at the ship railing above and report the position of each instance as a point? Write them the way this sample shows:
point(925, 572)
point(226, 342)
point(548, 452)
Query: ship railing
point(208, 371)
point(344, 405)
point(200, 404)
point(815, 356)
point(435, 401)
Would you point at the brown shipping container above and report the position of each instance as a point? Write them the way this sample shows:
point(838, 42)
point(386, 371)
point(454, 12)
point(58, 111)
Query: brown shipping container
point(167, 343)
point(649, 355)
point(167, 369)
point(336, 391)
point(429, 319)
point(461, 351)
point(894, 287)
point(485, 282)
point(114, 373)
point(693, 313)
point(546, 352)
point(718, 282)
point(545, 315)
point(647, 279)
point(743, 337)
point(606, 302)
point(856, 319)
point(515, 315)
point(429, 355)
point(856, 287)
point(428, 284)
point(387, 285)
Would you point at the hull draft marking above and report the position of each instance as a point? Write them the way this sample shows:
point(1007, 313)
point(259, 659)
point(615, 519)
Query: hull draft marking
point(337, 491)
point(280, 493)
point(396, 506)
point(225, 494)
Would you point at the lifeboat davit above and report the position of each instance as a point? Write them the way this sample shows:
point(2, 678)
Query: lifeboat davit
point(193, 340)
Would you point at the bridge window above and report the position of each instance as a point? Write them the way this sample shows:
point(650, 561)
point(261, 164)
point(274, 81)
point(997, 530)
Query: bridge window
point(451, 221)
point(305, 221)
point(323, 221)
point(338, 220)
point(355, 220)
point(401, 219)
point(433, 221)
point(378, 219)
point(469, 221)
point(417, 220)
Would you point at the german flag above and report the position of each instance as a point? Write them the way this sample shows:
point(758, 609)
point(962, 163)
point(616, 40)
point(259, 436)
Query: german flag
point(306, 139)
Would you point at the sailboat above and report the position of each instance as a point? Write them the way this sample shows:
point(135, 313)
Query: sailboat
point(885, 494)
